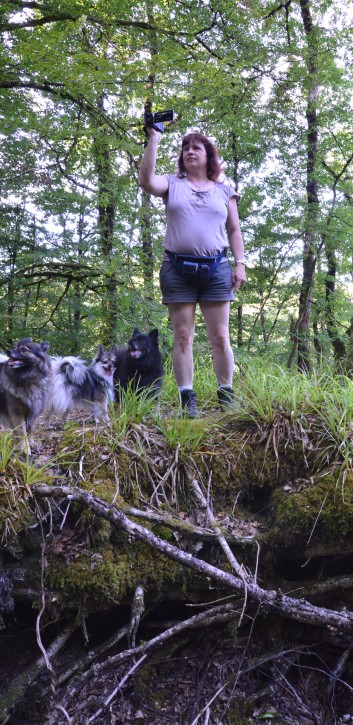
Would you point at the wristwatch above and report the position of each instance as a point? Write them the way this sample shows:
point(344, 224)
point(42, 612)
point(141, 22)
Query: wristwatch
point(240, 261)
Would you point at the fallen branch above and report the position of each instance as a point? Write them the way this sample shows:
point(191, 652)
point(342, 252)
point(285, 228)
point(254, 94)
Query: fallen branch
point(184, 527)
point(113, 694)
point(327, 585)
point(259, 663)
point(216, 615)
point(297, 609)
point(238, 568)
point(18, 686)
point(99, 651)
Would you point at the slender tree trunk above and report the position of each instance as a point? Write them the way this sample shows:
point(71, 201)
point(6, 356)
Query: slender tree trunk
point(147, 245)
point(309, 255)
point(77, 287)
point(9, 323)
point(240, 340)
point(236, 161)
point(339, 347)
point(319, 349)
point(349, 360)
point(263, 319)
point(29, 292)
point(10, 297)
point(146, 234)
point(328, 242)
point(106, 222)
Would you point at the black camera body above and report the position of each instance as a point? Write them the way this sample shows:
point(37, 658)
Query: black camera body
point(158, 119)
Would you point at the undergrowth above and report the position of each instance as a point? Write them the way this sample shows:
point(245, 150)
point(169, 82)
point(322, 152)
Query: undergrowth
point(272, 403)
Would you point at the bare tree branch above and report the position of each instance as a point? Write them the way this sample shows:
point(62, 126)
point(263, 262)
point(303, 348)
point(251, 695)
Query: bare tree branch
point(297, 609)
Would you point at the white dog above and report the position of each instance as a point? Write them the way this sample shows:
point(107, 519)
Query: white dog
point(80, 386)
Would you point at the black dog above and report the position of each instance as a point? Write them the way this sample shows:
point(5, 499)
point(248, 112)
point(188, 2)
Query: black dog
point(139, 364)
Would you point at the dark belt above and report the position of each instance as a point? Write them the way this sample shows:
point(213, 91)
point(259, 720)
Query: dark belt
point(192, 267)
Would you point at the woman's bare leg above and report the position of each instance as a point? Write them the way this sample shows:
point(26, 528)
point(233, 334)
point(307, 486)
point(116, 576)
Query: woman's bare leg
point(182, 316)
point(216, 316)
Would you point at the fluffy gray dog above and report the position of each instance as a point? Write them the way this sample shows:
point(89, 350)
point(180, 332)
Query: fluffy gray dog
point(25, 385)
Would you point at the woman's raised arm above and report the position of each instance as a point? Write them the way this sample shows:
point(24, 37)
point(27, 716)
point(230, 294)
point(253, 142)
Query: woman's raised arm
point(148, 179)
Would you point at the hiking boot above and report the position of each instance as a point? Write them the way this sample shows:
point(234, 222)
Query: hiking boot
point(225, 397)
point(188, 403)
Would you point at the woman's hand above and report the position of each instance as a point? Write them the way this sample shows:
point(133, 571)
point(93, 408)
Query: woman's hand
point(238, 276)
point(151, 132)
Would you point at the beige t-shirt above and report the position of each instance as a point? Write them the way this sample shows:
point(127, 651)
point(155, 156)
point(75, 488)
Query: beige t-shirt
point(196, 221)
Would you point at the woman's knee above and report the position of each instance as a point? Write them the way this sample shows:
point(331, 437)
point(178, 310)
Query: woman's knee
point(183, 337)
point(219, 341)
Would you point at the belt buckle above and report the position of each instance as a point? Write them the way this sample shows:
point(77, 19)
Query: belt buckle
point(190, 268)
point(204, 272)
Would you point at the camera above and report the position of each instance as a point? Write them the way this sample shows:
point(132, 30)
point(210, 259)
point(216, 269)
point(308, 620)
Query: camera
point(158, 119)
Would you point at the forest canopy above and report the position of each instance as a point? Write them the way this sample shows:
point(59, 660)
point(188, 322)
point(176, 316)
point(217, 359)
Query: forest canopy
point(80, 247)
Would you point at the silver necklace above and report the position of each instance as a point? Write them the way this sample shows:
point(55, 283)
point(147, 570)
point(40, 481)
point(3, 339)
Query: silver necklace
point(196, 187)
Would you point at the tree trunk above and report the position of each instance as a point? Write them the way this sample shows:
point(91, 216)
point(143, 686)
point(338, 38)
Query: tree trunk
point(77, 289)
point(339, 347)
point(309, 255)
point(147, 245)
point(106, 222)
point(349, 360)
point(240, 340)
point(319, 349)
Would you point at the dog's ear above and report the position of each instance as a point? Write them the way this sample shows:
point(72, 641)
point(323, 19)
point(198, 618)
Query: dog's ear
point(136, 332)
point(44, 346)
point(154, 335)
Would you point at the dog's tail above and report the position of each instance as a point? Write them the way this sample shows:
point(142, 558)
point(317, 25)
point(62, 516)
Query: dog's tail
point(72, 369)
point(69, 375)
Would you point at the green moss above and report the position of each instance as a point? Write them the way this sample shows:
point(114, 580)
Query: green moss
point(106, 576)
point(90, 580)
point(322, 509)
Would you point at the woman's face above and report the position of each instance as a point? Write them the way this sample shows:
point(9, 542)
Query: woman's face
point(194, 156)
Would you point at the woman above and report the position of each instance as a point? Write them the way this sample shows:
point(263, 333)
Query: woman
point(202, 223)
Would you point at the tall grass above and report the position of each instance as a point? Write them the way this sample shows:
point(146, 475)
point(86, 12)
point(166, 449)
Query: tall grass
point(264, 390)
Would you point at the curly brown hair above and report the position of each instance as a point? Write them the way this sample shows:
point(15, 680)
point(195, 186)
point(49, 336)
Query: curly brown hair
point(214, 168)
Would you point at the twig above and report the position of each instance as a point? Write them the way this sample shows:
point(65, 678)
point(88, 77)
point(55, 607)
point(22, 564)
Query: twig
point(19, 685)
point(221, 614)
point(117, 688)
point(254, 666)
point(137, 609)
point(41, 612)
point(172, 522)
point(66, 715)
point(101, 649)
point(64, 516)
point(339, 669)
point(238, 568)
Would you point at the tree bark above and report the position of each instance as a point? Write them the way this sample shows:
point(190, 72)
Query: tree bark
point(147, 245)
point(312, 201)
point(106, 224)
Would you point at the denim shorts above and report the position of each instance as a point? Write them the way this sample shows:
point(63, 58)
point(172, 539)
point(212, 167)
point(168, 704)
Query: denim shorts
point(175, 288)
